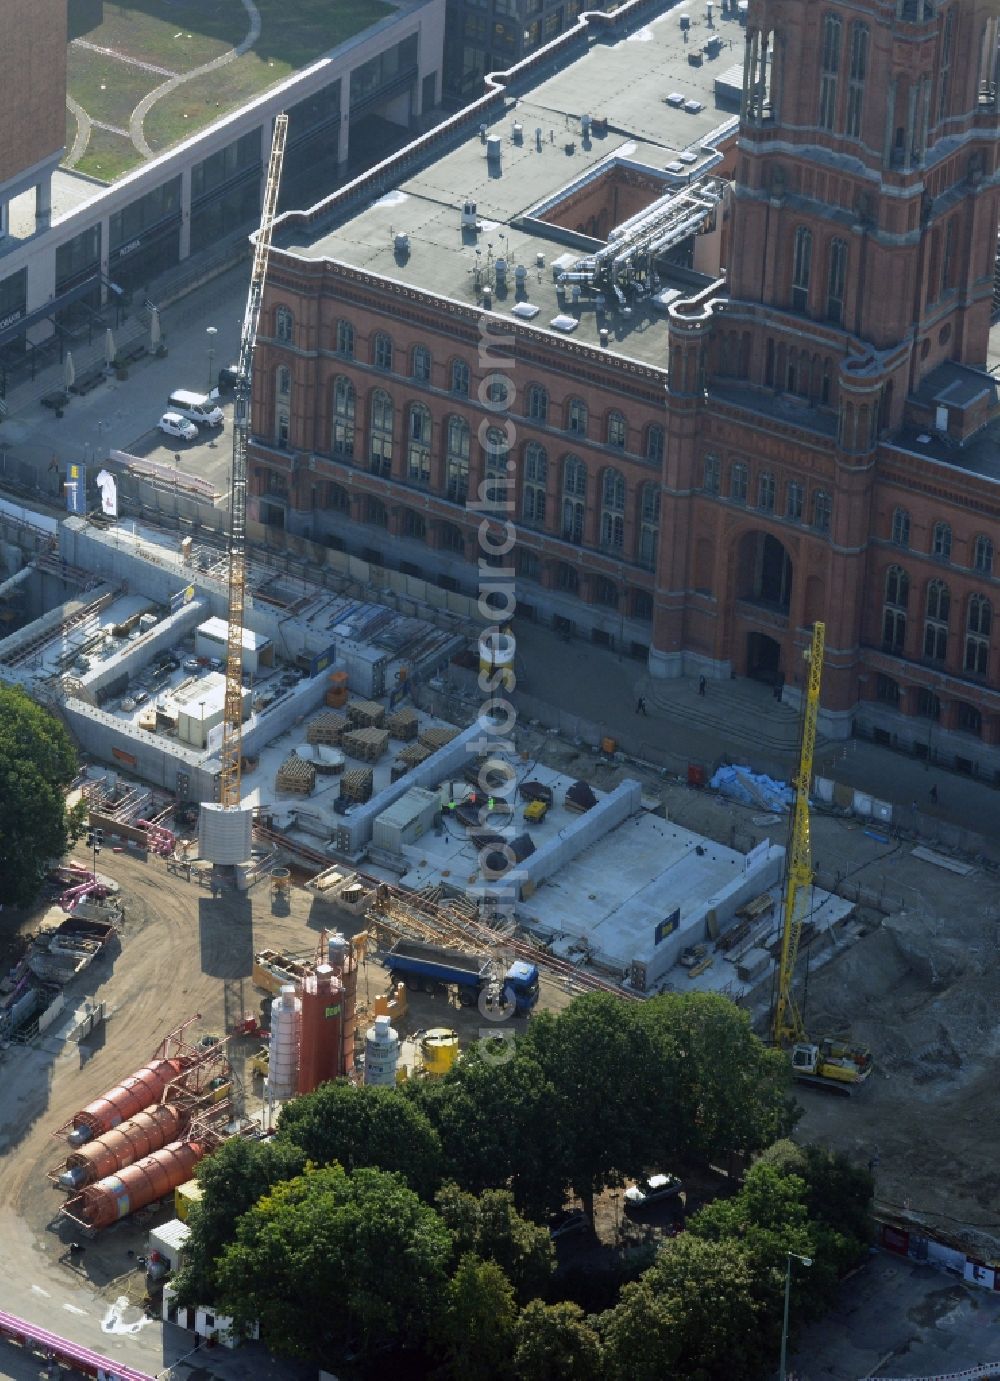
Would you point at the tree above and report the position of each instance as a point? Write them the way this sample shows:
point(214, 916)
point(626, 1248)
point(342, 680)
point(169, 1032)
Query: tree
point(695, 1314)
point(553, 1342)
point(497, 1117)
point(232, 1180)
point(476, 1327)
point(489, 1225)
point(37, 764)
point(376, 1127)
point(329, 1261)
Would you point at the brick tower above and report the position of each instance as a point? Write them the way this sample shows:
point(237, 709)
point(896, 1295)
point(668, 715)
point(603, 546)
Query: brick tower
point(862, 241)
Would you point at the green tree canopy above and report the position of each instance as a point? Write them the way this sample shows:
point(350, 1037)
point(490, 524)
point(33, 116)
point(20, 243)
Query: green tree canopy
point(370, 1126)
point(232, 1180)
point(476, 1326)
point(489, 1225)
point(329, 1262)
point(553, 1342)
point(37, 763)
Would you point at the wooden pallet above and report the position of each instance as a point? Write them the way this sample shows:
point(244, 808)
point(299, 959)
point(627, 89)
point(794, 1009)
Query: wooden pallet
point(414, 754)
point(366, 714)
point(296, 775)
point(356, 784)
point(436, 737)
point(327, 728)
point(404, 725)
point(366, 744)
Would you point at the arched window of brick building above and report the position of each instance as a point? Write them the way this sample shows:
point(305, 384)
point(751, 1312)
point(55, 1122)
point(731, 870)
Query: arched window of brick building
point(822, 510)
point(944, 65)
point(649, 525)
point(897, 598)
point(345, 339)
point(613, 510)
point(712, 476)
point(642, 605)
point(654, 443)
point(616, 430)
point(801, 269)
point(420, 364)
point(380, 440)
point(460, 378)
point(604, 592)
point(829, 68)
point(284, 324)
point(978, 625)
point(283, 382)
point(936, 621)
point(574, 507)
point(450, 538)
point(970, 720)
point(457, 460)
point(536, 471)
point(495, 455)
point(765, 492)
point(901, 527)
point(376, 512)
point(418, 445)
point(738, 482)
point(344, 406)
point(856, 80)
point(576, 417)
point(794, 499)
point(941, 546)
point(983, 555)
point(381, 351)
point(536, 404)
point(414, 525)
point(836, 278)
point(337, 498)
point(567, 578)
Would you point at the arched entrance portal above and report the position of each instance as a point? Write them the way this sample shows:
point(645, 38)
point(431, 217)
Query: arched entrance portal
point(764, 572)
point(763, 658)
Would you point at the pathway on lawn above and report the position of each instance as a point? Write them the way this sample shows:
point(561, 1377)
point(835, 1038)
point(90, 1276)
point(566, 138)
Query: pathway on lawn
point(121, 57)
point(138, 116)
point(82, 132)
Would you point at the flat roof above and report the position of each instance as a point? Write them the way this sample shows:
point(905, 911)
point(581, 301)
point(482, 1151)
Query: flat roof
point(217, 630)
point(626, 82)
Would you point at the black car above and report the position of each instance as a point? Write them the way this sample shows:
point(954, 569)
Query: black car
point(228, 375)
point(572, 1221)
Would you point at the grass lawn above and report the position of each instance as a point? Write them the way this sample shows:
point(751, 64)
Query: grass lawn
point(107, 88)
point(293, 33)
point(180, 35)
point(109, 156)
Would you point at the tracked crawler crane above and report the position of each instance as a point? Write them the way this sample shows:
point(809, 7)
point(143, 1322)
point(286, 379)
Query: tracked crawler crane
point(232, 716)
point(830, 1064)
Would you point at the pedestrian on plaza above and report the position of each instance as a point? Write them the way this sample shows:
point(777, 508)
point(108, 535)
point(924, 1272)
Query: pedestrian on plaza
point(702, 685)
point(934, 795)
point(640, 705)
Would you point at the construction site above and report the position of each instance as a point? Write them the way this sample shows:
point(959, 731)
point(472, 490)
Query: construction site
point(311, 857)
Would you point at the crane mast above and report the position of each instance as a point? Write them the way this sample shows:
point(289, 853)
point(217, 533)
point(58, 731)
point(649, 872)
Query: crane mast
point(788, 1024)
point(232, 718)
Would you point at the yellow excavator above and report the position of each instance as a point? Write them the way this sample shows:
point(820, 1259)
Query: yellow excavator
point(829, 1064)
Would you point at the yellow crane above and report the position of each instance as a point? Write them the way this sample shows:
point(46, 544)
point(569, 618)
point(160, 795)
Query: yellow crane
point(232, 715)
point(830, 1063)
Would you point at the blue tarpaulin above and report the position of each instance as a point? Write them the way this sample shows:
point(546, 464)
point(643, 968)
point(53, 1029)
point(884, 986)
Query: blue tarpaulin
point(752, 788)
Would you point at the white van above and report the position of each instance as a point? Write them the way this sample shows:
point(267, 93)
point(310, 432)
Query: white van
point(196, 407)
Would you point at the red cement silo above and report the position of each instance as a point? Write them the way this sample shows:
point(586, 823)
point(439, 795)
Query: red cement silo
point(149, 1179)
point(349, 979)
point(320, 1041)
point(132, 1095)
point(140, 1136)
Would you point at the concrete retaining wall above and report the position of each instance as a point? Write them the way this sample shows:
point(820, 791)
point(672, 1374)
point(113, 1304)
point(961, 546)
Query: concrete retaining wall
point(140, 651)
point(594, 824)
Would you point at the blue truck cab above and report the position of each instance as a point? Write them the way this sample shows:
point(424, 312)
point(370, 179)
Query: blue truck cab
point(520, 985)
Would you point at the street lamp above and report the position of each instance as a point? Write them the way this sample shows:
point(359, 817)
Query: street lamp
point(211, 332)
point(806, 1261)
point(95, 838)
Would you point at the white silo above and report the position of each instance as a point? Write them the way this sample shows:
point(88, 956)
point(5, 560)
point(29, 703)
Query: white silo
point(381, 1054)
point(286, 1030)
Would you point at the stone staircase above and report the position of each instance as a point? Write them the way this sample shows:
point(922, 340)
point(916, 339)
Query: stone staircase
point(741, 710)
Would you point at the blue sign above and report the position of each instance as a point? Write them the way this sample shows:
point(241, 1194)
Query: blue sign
point(76, 488)
point(322, 660)
point(181, 598)
point(667, 927)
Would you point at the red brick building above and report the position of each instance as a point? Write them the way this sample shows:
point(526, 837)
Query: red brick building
point(732, 409)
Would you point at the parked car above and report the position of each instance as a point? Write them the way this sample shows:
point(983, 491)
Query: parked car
point(571, 1221)
point(652, 1190)
point(172, 424)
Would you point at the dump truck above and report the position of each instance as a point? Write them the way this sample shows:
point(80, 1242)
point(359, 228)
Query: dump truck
point(430, 968)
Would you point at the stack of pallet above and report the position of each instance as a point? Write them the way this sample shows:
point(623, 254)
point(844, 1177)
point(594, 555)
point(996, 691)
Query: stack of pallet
point(436, 737)
point(327, 728)
point(356, 784)
point(413, 755)
point(404, 725)
point(366, 744)
point(366, 714)
point(296, 775)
